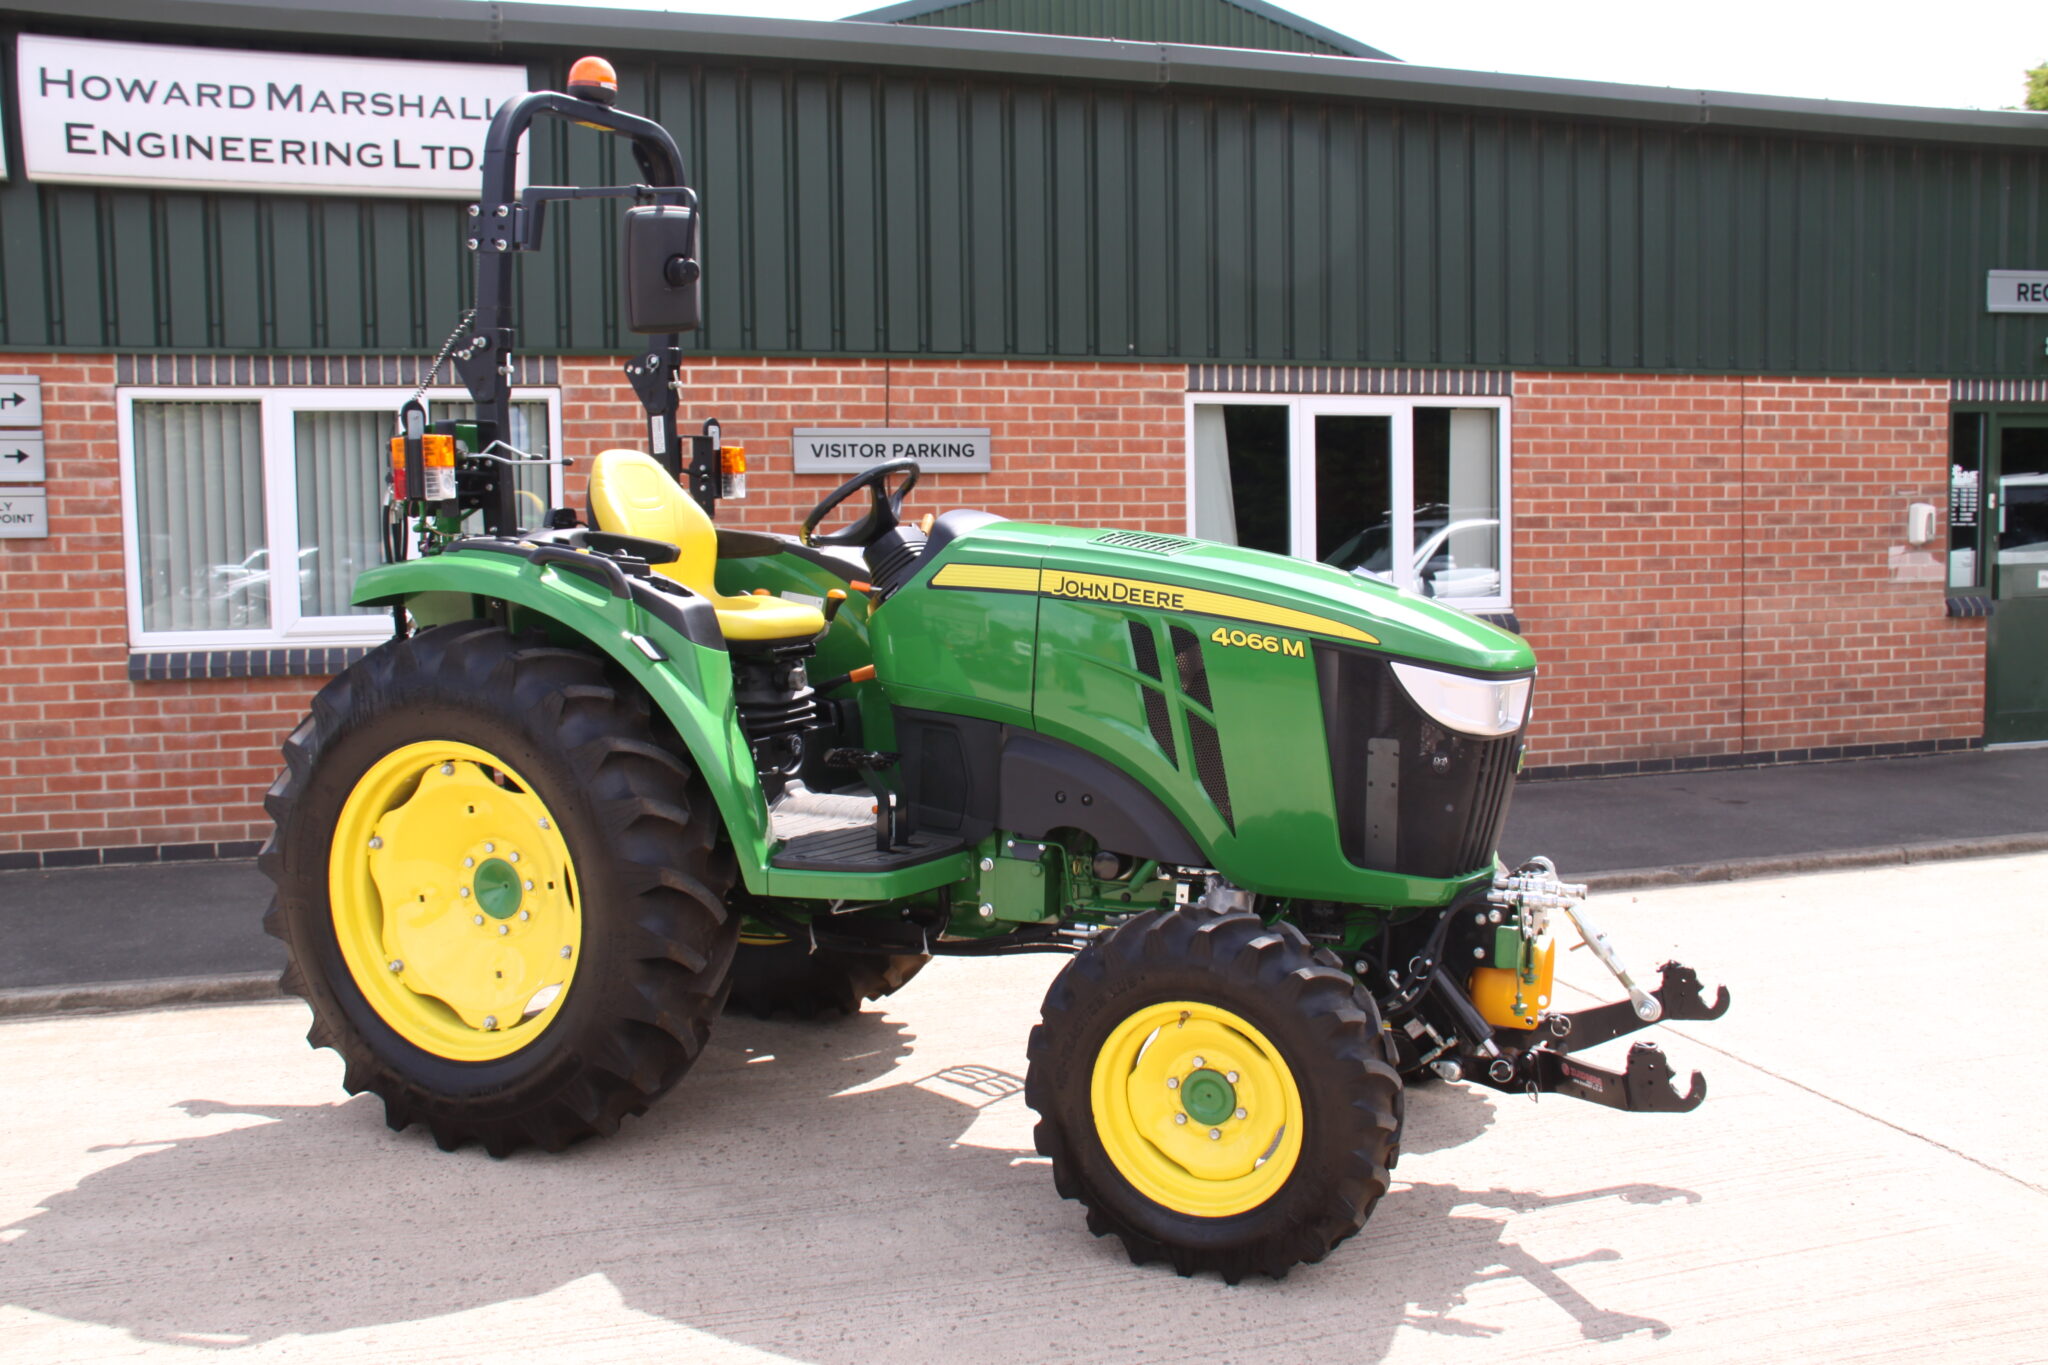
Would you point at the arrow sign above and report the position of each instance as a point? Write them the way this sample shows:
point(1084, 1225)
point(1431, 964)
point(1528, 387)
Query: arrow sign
point(21, 457)
point(21, 400)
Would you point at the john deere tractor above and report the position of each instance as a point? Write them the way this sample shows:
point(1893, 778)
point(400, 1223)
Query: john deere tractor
point(623, 770)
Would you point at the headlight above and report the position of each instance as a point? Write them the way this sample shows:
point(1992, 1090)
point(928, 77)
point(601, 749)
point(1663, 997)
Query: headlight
point(1471, 706)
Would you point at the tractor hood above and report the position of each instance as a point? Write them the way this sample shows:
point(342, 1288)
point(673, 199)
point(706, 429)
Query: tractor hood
point(1225, 586)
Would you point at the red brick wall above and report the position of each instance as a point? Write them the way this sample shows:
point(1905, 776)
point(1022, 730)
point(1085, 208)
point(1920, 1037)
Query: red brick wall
point(89, 760)
point(1702, 564)
point(1091, 443)
point(1705, 566)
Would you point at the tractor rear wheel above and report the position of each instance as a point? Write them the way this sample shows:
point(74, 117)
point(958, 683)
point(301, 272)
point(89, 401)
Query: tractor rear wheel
point(1216, 1096)
point(780, 976)
point(503, 898)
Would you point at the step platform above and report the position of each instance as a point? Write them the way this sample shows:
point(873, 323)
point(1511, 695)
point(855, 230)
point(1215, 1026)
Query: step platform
point(835, 832)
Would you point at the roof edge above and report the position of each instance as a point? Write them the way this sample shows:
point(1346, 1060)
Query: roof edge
point(1343, 42)
point(491, 29)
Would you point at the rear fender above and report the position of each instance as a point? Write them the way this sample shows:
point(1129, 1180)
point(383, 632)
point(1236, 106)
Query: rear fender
point(691, 683)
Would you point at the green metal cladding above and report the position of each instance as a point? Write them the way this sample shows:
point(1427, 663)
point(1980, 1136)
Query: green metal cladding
point(868, 213)
point(1216, 23)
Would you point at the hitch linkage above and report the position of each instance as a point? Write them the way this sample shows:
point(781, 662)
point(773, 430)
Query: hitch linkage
point(1645, 1085)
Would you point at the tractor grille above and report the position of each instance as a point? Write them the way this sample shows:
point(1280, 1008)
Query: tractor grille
point(1145, 540)
point(1145, 654)
point(1187, 656)
point(1412, 797)
point(1209, 765)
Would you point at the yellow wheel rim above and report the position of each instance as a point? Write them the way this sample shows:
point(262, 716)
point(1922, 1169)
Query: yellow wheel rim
point(454, 901)
point(1197, 1109)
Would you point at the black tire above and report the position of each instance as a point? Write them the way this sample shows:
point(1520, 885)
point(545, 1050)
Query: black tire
point(1326, 1031)
point(657, 941)
point(787, 978)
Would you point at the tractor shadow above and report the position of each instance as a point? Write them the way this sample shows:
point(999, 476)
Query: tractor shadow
point(800, 1193)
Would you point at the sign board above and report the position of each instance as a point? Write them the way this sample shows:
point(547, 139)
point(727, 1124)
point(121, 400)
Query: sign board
point(21, 457)
point(105, 113)
point(21, 400)
point(833, 450)
point(25, 515)
point(2016, 291)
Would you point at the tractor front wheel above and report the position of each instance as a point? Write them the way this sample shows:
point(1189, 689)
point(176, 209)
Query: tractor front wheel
point(503, 898)
point(1216, 1096)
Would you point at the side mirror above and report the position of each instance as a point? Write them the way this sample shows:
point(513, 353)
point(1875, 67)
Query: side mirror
point(663, 290)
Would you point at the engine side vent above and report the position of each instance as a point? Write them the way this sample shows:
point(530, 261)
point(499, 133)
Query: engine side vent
point(1144, 649)
point(1146, 541)
point(1145, 653)
point(1209, 765)
point(1187, 653)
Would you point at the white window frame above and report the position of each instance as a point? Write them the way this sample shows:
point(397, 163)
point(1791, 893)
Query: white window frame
point(279, 407)
point(1303, 409)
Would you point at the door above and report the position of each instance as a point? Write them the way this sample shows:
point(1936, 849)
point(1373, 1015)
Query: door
point(2017, 545)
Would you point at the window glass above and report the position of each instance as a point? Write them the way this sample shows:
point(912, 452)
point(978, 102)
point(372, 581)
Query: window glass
point(1241, 478)
point(253, 515)
point(339, 461)
point(1354, 491)
point(201, 553)
point(1457, 502)
point(1965, 497)
point(2022, 509)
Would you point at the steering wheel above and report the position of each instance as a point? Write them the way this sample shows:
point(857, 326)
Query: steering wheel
point(883, 513)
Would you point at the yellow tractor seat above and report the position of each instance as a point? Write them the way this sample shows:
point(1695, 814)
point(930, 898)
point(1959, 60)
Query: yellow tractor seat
point(632, 495)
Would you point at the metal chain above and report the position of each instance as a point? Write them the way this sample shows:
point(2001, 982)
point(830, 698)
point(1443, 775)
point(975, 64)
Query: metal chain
point(446, 347)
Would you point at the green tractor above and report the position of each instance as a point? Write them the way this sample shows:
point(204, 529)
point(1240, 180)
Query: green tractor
point(623, 770)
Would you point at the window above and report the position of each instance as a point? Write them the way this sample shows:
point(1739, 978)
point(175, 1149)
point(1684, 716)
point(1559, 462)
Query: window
point(249, 513)
point(1412, 491)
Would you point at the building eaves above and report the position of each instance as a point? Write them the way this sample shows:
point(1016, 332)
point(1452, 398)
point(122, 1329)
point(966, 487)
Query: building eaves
point(1343, 42)
point(503, 27)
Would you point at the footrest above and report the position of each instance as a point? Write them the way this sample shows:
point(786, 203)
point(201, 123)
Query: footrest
point(853, 850)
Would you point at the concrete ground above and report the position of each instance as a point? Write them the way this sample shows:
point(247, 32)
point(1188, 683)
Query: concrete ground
point(1868, 1180)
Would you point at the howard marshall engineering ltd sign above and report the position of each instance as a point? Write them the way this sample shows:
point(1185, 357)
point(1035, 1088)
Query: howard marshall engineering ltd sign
point(822, 450)
point(213, 118)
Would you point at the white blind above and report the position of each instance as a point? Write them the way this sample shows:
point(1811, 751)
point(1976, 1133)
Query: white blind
point(339, 458)
point(199, 516)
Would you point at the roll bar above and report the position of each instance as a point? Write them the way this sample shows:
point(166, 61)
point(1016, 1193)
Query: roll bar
point(503, 223)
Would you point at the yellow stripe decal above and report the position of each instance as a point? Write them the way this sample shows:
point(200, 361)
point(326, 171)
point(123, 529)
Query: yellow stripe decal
point(992, 577)
point(1137, 592)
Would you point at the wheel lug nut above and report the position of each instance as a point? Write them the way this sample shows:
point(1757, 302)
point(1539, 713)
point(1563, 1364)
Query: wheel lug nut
point(1240, 1113)
point(490, 1021)
point(1173, 1082)
point(528, 883)
point(376, 841)
point(1230, 1076)
point(447, 770)
point(513, 855)
point(469, 862)
point(397, 965)
point(477, 919)
point(462, 891)
point(544, 824)
point(1180, 1118)
point(526, 914)
point(504, 928)
point(1215, 1135)
point(565, 950)
point(490, 848)
point(1199, 1063)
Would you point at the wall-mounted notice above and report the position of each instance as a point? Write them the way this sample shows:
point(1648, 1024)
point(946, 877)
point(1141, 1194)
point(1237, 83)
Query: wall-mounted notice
point(2016, 291)
point(821, 450)
point(24, 514)
point(214, 118)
